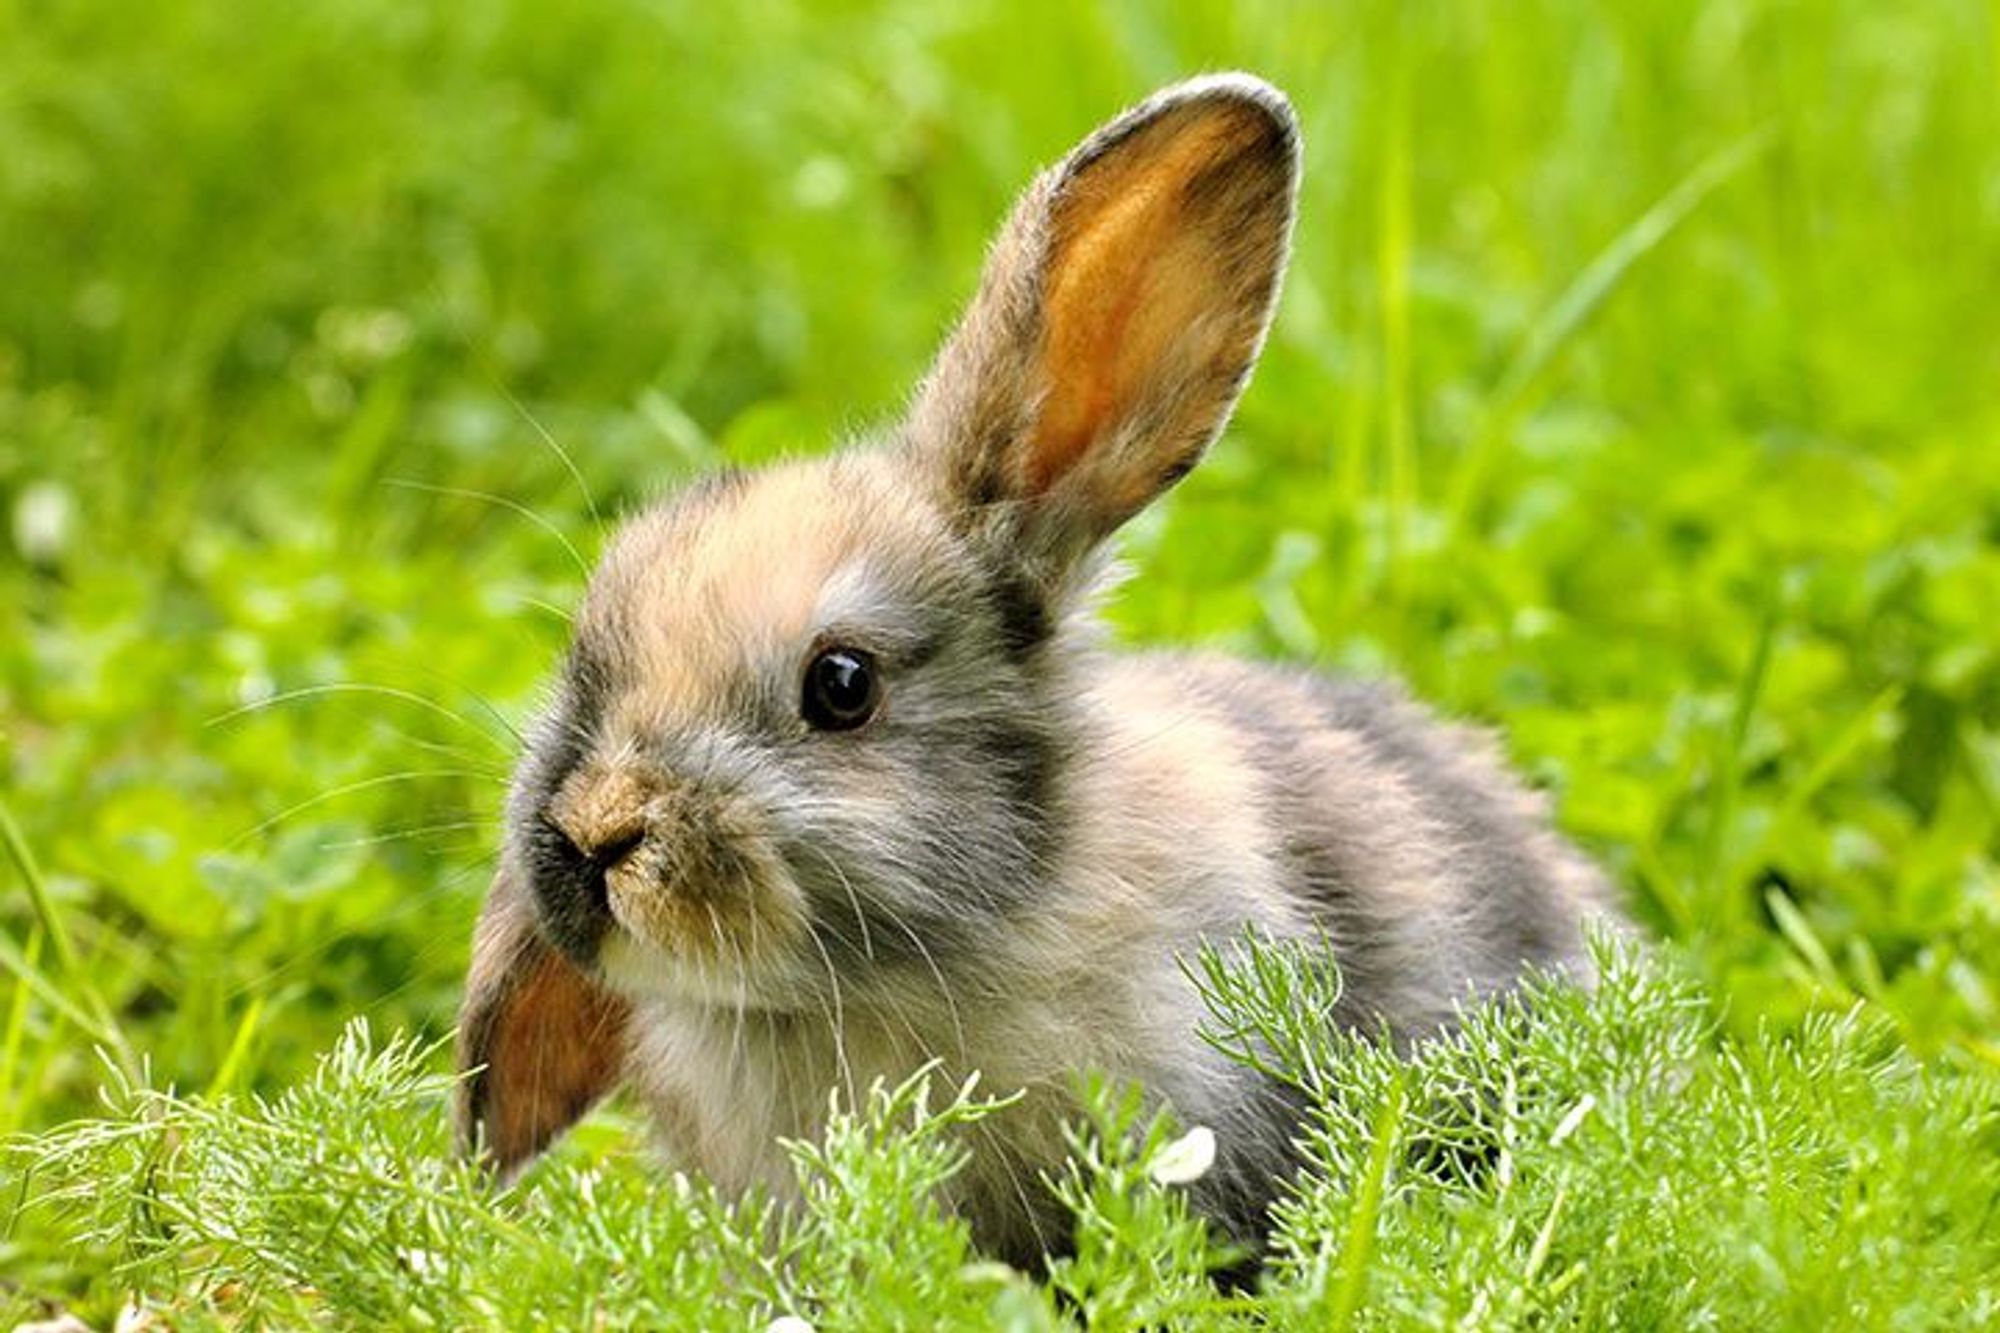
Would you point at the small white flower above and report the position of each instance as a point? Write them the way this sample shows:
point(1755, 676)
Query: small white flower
point(1186, 1159)
point(788, 1323)
point(44, 522)
point(423, 1263)
point(136, 1318)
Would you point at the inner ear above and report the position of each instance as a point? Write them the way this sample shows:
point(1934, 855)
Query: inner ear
point(1117, 319)
point(1164, 250)
point(539, 1042)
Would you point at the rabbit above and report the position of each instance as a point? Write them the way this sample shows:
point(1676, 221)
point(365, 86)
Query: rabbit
point(841, 776)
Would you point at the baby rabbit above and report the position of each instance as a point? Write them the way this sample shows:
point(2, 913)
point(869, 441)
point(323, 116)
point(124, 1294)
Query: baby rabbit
point(840, 775)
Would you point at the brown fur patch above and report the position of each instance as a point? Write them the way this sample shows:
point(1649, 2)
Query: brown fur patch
point(544, 1041)
point(557, 1048)
point(1138, 257)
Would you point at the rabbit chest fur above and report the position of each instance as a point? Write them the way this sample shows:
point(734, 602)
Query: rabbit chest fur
point(840, 777)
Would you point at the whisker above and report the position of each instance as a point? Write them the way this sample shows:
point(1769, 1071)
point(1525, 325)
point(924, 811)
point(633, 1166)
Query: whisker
point(457, 753)
point(484, 359)
point(853, 899)
point(484, 704)
point(937, 974)
point(837, 1020)
point(715, 929)
point(364, 784)
point(996, 1150)
point(407, 834)
point(549, 607)
point(737, 1051)
point(347, 687)
point(467, 493)
point(548, 438)
point(445, 887)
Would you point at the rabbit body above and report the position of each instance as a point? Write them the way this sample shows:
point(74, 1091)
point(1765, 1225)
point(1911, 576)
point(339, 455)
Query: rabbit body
point(1258, 797)
point(840, 776)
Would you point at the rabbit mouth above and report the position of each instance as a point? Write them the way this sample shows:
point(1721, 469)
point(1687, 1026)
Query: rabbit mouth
point(733, 906)
point(722, 924)
point(774, 980)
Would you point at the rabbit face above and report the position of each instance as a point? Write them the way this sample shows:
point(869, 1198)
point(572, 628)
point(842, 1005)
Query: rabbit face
point(802, 729)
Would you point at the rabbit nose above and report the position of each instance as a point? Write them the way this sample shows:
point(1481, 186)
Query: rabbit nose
point(615, 848)
point(602, 812)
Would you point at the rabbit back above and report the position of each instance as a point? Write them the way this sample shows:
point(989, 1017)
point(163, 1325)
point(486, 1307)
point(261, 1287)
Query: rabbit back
point(1297, 803)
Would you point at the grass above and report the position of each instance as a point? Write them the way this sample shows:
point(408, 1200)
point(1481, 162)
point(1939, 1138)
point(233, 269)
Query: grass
point(1566, 1160)
point(1634, 390)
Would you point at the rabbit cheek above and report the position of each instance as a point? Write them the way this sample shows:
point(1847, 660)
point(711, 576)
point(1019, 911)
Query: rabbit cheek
point(706, 888)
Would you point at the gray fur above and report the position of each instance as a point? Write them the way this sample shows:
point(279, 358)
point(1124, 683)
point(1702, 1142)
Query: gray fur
point(1003, 869)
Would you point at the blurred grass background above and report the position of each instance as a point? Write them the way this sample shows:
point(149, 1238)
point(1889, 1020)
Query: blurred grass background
point(1636, 389)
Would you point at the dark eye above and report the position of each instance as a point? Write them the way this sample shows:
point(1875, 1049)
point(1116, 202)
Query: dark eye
point(842, 689)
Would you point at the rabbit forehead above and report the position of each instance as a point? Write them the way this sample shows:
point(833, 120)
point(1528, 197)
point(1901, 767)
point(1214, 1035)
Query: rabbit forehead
point(751, 568)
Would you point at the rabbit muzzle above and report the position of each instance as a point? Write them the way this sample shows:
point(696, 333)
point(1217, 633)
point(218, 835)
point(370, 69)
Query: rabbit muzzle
point(688, 873)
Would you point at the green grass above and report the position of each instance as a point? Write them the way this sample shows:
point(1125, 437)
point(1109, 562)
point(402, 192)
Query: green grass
point(1636, 390)
point(1571, 1161)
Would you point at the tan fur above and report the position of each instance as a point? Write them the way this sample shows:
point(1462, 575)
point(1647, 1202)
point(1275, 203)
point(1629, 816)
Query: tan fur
point(751, 585)
point(602, 803)
point(1006, 867)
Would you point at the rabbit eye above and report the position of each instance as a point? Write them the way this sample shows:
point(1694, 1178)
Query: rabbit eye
point(841, 690)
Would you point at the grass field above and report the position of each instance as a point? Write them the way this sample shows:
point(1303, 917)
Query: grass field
point(1636, 390)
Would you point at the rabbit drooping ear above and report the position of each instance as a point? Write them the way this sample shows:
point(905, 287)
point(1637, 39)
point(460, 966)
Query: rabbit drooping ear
point(1122, 307)
point(538, 1041)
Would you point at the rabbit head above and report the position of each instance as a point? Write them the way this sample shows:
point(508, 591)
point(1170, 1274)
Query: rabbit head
point(810, 738)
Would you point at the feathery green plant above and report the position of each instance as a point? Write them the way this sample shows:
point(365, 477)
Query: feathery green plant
point(1562, 1157)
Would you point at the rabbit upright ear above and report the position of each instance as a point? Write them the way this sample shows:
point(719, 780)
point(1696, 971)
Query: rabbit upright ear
point(538, 1041)
point(1122, 307)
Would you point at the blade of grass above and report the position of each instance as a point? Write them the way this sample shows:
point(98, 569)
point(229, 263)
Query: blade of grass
point(1357, 1249)
point(372, 433)
point(239, 1046)
point(23, 858)
point(1545, 1237)
point(89, 1010)
point(1392, 260)
point(1827, 765)
point(1798, 932)
point(15, 961)
point(1604, 273)
point(1728, 773)
point(10, 1049)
